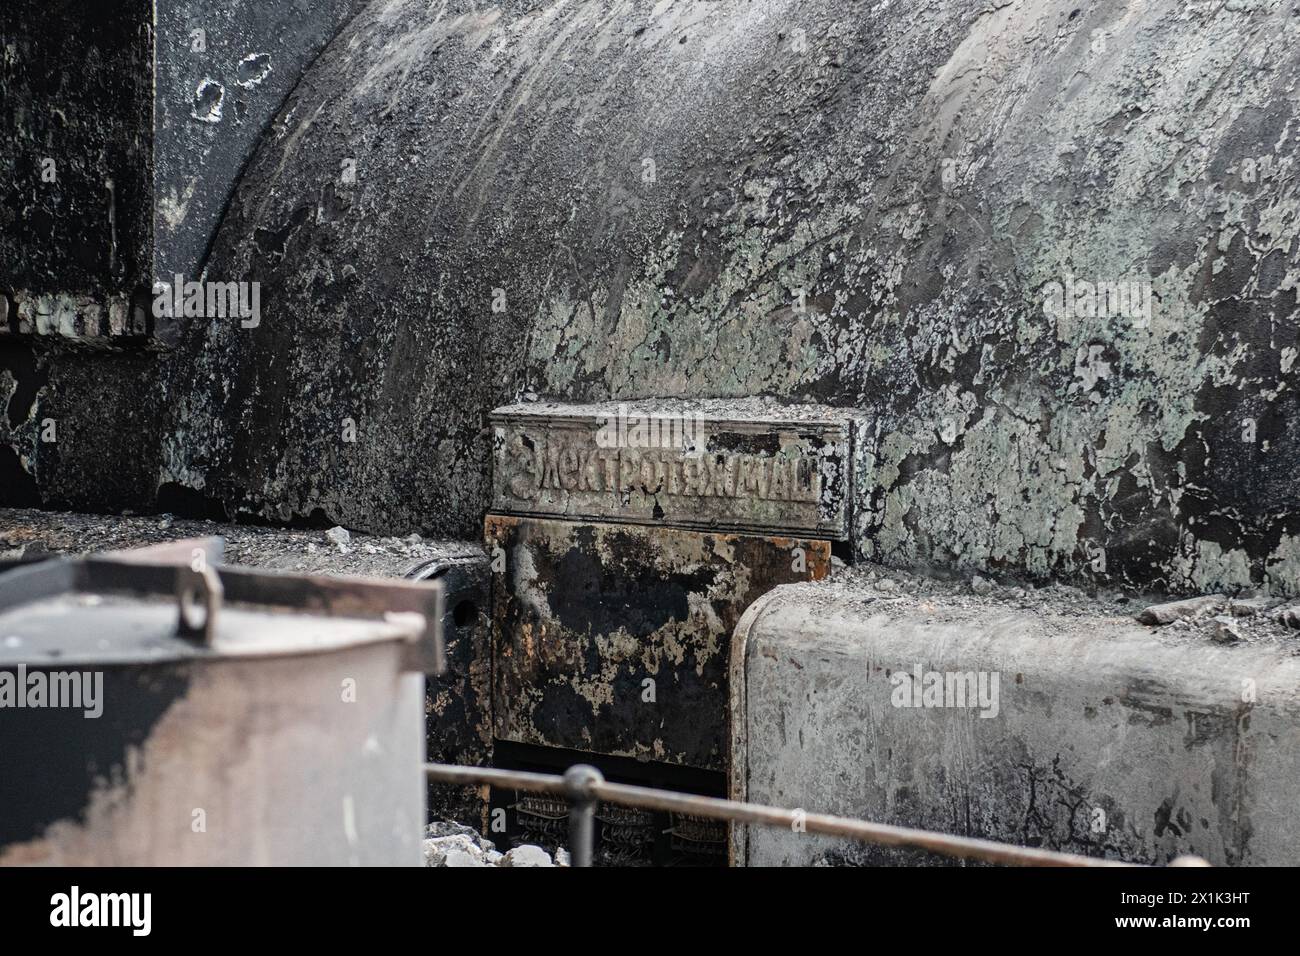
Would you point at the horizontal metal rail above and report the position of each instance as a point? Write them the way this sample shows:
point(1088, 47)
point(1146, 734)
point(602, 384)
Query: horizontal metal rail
point(583, 787)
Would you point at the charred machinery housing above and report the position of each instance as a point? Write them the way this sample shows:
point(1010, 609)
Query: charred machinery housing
point(627, 544)
point(669, 312)
point(904, 211)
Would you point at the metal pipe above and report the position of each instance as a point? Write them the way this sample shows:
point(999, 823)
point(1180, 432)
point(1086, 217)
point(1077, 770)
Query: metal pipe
point(586, 788)
point(580, 785)
point(882, 834)
point(506, 779)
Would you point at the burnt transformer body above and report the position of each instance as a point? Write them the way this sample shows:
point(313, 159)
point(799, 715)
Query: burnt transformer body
point(1049, 250)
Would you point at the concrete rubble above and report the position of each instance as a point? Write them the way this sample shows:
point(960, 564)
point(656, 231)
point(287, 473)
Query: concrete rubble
point(1172, 611)
point(30, 532)
point(1226, 615)
point(453, 844)
point(341, 539)
point(1258, 619)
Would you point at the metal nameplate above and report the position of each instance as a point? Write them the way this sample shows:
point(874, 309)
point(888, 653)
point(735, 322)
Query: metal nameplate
point(709, 465)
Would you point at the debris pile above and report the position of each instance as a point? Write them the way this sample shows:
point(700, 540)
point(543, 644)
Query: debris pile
point(452, 844)
point(29, 533)
point(1227, 620)
point(1224, 619)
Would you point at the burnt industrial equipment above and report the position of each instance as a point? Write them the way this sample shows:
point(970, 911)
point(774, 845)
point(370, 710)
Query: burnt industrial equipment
point(221, 715)
point(627, 541)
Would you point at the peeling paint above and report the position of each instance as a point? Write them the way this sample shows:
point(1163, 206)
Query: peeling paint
point(869, 224)
point(209, 98)
point(615, 639)
point(253, 69)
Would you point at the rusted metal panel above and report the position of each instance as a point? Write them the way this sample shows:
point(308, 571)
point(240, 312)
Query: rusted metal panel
point(738, 465)
point(614, 639)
